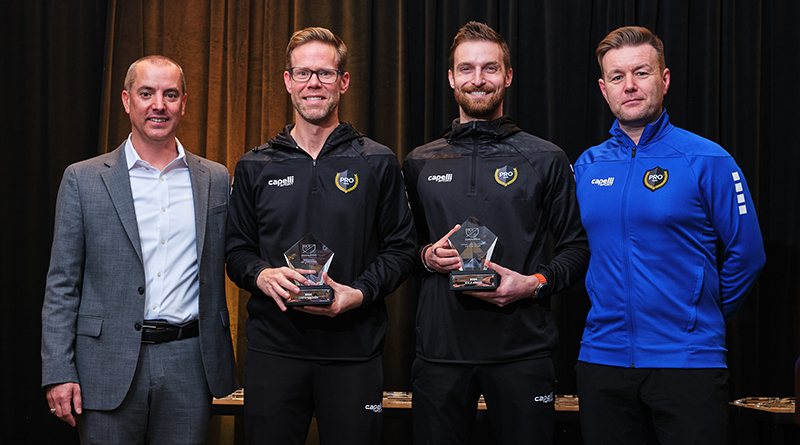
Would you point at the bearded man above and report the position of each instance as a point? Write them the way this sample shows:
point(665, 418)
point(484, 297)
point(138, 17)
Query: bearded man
point(498, 343)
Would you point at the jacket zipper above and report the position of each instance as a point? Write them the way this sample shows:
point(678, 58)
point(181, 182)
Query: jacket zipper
point(474, 160)
point(626, 242)
point(314, 176)
point(313, 169)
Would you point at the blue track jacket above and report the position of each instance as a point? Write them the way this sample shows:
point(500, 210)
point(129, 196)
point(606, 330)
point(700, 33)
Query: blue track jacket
point(675, 248)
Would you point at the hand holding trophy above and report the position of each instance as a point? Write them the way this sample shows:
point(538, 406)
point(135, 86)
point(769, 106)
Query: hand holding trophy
point(311, 258)
point(475, 244)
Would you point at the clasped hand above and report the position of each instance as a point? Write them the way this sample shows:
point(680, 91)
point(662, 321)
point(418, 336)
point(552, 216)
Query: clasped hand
point(279, 284)
point(442, 258)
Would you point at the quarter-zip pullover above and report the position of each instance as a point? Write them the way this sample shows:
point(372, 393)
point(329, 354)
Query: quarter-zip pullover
point(352, 198)
point(520, 187)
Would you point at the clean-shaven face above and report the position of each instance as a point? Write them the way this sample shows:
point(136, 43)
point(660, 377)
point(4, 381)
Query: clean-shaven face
point(155, 102)
point(634, 85)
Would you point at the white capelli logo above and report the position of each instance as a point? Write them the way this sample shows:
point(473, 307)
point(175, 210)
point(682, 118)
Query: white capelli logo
point(447, 177)
point(374, 408)
point(545, 399)
point(289, 180)
point(604, 182)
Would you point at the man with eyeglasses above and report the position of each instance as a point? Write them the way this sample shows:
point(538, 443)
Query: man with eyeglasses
point(320, 177)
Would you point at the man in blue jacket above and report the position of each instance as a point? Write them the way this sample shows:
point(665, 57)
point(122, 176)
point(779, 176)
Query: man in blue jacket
point(675, 247)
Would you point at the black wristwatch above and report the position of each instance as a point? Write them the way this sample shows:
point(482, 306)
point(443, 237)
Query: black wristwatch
point(541, 289)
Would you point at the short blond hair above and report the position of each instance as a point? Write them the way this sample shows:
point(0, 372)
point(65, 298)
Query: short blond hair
point(316, 34)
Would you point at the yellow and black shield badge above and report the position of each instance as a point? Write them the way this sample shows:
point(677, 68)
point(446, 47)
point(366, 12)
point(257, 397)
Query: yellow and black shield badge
point(345, 182)
point(505, 176)
point(655, 178)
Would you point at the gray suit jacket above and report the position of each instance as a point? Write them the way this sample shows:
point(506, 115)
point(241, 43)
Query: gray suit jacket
point(94, 299)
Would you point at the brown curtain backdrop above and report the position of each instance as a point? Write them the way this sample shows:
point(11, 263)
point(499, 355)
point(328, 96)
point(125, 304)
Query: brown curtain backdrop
point(734, 71)
point(233, 56)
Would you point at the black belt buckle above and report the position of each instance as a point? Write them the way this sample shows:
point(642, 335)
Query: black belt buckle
point(160, 331)
point(160, 328)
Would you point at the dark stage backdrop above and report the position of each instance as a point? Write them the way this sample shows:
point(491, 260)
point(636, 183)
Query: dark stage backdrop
point(734, 69)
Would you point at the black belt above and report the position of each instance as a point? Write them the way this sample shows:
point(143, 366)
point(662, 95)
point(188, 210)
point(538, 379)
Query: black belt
point(159, 331)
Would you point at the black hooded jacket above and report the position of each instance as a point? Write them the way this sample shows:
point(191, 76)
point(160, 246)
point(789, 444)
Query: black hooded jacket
point(353, 200)
point(520, 187)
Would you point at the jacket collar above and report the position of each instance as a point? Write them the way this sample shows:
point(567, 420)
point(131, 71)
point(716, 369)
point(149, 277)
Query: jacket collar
point(499, 128)
point(652, 132)
point(343, 133)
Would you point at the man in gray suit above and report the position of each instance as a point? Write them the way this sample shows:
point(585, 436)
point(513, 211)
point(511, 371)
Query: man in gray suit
point(136, 336)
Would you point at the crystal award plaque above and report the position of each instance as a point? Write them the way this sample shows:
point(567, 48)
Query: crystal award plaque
point(474, 244)
point(311, 258)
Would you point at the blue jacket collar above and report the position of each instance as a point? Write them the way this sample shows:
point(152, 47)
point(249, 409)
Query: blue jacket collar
point(652, 132)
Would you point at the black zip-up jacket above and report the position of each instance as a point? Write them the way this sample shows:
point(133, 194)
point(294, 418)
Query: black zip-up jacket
point(520, 187)
point(352, 198)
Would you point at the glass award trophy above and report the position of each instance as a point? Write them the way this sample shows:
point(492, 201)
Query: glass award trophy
point(474, 244)
point(311, 258)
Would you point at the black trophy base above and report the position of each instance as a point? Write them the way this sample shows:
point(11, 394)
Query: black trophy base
point(474, 280)
point(321, 295)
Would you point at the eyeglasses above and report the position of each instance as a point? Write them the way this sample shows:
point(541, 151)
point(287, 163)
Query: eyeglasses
point(300, 74)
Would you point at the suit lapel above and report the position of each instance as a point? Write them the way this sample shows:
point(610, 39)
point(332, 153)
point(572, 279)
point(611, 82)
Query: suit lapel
point(118, 183)
point(200, 191)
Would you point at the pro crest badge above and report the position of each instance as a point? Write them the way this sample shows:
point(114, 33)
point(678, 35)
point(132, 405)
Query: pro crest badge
point(505, 175)
point(346, 182)
point(656, 178)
